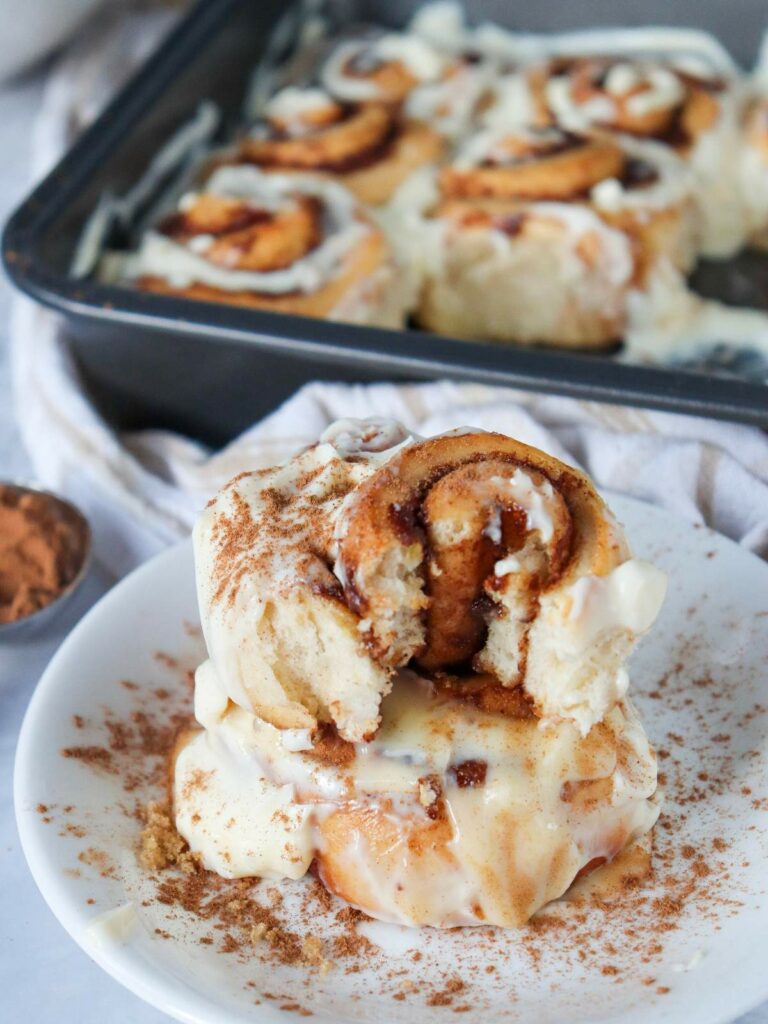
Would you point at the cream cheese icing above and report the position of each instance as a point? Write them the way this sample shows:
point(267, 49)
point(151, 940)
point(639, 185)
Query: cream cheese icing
point(248, 805)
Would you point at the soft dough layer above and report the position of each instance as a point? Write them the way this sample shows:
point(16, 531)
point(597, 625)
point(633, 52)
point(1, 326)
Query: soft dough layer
point(451, 815)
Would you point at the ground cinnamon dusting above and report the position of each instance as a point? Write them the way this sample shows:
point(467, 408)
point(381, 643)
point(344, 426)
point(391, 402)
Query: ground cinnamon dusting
point(620, 939)
point(42, 549)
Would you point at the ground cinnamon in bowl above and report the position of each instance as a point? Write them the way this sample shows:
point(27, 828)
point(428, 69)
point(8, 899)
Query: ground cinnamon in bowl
point(44, 545)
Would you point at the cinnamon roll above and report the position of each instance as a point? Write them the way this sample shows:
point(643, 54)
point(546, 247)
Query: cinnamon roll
point(283, 243)
point(683, 103)
point(372, 551)
point(540, 236)
point(389, 622)
point(369, 147)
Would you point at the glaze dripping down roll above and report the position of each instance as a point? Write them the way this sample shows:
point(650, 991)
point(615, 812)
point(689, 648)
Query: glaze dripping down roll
point(466, 553)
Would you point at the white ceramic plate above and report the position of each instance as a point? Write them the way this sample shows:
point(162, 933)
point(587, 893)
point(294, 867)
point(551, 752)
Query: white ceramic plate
point(689, 946)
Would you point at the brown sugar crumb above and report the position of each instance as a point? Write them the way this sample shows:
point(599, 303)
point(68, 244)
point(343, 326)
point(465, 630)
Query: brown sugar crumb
point(42, 808)
point(329, 748)
point(470, 774)
point(609, 970)
point(720, 844)
point(662, 990)
point(229, 944)
point(94, 757)
point(350, 944)
point(688, 851)
point(99, 860)
point(78, 721)
point(350, 915)
point(313, 953)
point(160, 845)
point(445, 996)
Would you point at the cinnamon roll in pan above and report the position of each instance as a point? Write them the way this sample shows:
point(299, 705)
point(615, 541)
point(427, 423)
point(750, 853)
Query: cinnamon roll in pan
point(370, 148)
point(283, 243)
point(680, 102)
point(540, 236)
point(372, 551)
point(450, 815)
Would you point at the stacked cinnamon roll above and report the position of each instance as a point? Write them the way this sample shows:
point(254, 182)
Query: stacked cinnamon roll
point(416, 681)
point(550, 190)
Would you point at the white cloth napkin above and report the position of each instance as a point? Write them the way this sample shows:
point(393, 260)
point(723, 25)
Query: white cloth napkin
point(142, 490)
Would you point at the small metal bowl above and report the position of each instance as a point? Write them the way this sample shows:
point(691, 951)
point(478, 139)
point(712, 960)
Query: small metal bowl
point(37, 621)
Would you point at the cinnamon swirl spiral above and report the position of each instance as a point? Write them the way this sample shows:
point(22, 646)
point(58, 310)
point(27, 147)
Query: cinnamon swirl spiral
point(367, 147)
point(289, 244)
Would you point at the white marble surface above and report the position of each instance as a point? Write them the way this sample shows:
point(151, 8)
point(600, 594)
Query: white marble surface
point(44, 977)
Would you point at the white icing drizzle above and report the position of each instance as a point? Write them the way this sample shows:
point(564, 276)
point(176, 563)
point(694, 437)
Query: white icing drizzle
point(372, 437)
point(450, 103)
point(659, 89)
point(183, 265)
point(629, 598)
point(289, 106)
point(422, 60)
point(237, 792)
point(511, 104)
point(441, 23)
point(674, 182)
point(669, 323)
point(617, 256)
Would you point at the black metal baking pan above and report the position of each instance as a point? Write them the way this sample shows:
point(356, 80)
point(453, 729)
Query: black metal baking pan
point(211, 370)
